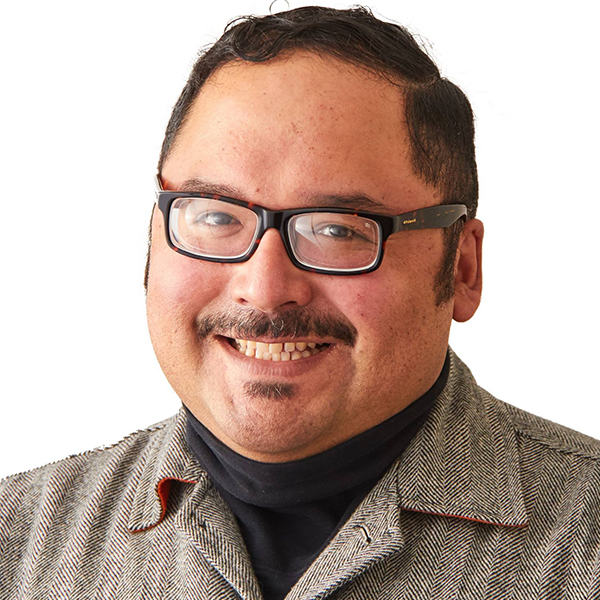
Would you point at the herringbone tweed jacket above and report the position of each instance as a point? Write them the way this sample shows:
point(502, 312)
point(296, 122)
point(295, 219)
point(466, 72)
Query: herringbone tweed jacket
point(487, 502)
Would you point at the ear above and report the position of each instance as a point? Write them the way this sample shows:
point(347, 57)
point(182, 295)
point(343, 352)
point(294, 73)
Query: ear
point(467, 271)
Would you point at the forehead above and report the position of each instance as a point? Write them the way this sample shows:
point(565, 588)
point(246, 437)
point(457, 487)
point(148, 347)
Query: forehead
point(295, 128)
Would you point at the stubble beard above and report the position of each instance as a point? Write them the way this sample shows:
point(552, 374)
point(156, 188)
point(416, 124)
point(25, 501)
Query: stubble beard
point(269, 391)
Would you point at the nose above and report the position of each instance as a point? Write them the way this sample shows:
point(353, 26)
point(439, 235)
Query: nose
point(268, 281)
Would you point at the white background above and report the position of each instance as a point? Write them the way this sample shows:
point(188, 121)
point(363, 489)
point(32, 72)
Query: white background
point(86, 92)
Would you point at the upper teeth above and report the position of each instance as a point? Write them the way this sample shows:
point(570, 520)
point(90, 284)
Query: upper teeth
point(280, 351)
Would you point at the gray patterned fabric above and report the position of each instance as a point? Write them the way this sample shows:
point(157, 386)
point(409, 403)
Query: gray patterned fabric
point(487, 502)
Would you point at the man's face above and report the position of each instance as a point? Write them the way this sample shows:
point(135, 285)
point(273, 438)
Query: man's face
point(298, 131)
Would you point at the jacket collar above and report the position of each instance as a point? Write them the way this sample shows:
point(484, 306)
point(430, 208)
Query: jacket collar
point(462, 463)
point(167, 458)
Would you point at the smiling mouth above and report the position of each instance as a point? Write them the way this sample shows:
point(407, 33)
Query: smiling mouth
point(277, 351)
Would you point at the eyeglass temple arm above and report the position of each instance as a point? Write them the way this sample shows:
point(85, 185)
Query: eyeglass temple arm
point(433, 217)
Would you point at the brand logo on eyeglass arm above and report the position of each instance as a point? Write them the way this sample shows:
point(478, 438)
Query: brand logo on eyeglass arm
point(409, 221)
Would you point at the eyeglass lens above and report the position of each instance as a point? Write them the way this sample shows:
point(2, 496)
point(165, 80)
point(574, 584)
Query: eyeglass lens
point(334, 240)
point(212, 228)
point(215, 229)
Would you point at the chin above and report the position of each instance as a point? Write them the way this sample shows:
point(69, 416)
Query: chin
point(272, 430)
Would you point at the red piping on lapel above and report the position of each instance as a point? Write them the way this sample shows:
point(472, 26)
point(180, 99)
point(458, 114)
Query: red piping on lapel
point(162, 489)
point(427, 512)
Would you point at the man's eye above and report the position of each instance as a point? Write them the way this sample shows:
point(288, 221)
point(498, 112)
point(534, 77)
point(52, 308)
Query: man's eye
point(340, 233)
point(216, 219)
point(336, 231)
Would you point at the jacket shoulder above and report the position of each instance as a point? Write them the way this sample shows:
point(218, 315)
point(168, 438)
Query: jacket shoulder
point(77, 469)
point(552, 436)
point(539, 432)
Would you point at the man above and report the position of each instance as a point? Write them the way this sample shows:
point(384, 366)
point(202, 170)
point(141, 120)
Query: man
point(313, 238)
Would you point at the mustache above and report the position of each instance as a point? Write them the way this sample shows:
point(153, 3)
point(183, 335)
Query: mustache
point(289, 324)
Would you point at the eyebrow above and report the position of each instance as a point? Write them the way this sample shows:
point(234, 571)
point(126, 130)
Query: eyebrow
point(357, 201)
point(201, 186)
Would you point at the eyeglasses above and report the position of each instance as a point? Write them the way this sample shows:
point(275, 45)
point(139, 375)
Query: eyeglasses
point(335, 241)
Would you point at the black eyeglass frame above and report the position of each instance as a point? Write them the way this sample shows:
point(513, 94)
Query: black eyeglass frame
point(432, 217)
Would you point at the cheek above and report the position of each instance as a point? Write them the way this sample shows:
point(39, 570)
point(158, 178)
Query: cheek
point(395, 304)
point(373, 298)
point(175, 280)
point(179, 288)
